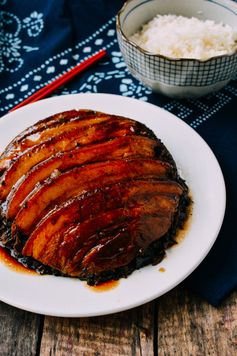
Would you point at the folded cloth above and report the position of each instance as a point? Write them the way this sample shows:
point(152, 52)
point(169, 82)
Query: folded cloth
point(41, 39)
point(216, 277)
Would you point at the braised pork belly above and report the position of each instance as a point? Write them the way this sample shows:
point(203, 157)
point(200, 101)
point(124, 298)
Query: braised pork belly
point(90, 195)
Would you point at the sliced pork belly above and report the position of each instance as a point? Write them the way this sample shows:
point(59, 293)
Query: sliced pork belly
point(89, 195)
point(80, 180)
point(63, 142)
point(52, 243)
point(106, 198)
point(122, 147)
point(35, 133)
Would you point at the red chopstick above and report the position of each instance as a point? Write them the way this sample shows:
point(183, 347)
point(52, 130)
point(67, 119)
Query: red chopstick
point(49, 88)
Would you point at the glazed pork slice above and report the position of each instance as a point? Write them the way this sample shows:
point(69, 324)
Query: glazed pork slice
point(76, 228)
point(33, 134)
point(79, 180)
point(122, 147)
point(64, 142)
point(40, 133)
point(80, 121)
point(120, 247)
point(105, 198)
point(43, 125)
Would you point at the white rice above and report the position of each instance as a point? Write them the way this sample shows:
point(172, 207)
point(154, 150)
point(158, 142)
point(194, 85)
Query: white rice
point(181, 37)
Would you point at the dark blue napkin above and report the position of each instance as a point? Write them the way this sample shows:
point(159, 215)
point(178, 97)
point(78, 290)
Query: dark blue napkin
point(41, 39)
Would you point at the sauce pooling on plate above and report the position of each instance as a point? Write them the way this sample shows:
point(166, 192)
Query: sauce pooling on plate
point(105, 286)
point(12, 263)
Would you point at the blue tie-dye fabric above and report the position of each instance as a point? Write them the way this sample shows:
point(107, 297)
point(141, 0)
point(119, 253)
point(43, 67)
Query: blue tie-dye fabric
point(41, 39)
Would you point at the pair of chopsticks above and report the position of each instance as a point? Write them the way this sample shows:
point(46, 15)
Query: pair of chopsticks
point(49, 88)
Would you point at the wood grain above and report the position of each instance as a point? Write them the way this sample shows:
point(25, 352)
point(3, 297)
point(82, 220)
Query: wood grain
point(178, 323)
point(121, 334)
point(20, 331)
point(189, 326)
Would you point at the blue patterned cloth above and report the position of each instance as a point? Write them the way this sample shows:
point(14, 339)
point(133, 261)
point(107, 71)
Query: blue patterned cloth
point(41, 39)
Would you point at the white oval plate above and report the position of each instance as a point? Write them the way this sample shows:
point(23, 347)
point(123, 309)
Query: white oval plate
point(69, 297)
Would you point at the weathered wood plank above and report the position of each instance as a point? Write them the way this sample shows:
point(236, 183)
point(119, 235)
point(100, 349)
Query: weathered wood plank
point(189, 326)
point(20, 331)
point(121, 334)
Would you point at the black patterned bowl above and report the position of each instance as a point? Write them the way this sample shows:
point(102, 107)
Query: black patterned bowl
point(178, 78)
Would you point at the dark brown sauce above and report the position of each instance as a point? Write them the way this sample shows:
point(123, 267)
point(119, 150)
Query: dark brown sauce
point(181, 233)
point(105, 286)
point(12, 263)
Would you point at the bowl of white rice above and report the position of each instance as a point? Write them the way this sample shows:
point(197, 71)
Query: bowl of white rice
point(179, 48)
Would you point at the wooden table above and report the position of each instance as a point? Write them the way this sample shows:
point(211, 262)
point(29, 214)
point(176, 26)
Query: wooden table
point(177, 323)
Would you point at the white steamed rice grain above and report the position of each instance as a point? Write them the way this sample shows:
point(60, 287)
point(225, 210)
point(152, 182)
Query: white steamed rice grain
point(181, 37)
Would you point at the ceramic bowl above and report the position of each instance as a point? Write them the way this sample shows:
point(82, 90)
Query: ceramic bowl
point(179, 78)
